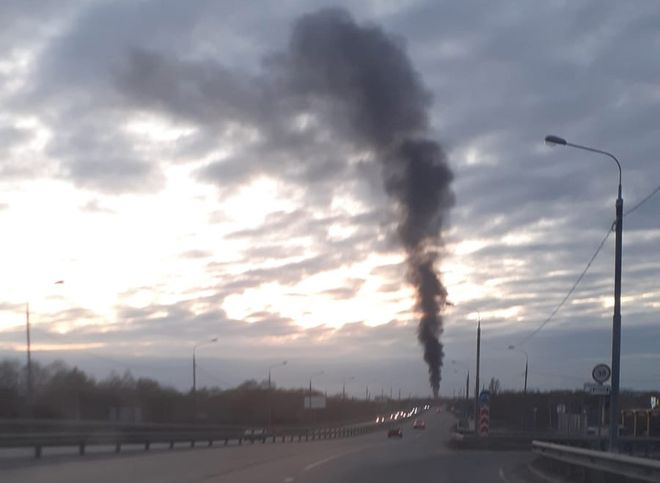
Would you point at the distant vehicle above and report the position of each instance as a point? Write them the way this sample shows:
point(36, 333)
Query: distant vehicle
point(254, 433)
point(395, 433)
point(419, 424)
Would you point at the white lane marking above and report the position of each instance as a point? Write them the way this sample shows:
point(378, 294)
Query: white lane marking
point(503, 477)
point(289, 479)
point(323, 461)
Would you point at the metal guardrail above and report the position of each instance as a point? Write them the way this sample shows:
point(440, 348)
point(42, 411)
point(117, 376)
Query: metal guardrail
point(39, 434)
point(640, 469)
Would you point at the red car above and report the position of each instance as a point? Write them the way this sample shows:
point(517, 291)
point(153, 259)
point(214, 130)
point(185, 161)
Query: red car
point(395, 433)
point(419, 424)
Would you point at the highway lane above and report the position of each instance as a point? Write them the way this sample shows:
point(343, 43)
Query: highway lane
point(420, 456)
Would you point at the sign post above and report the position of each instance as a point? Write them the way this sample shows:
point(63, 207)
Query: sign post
point(601, 374)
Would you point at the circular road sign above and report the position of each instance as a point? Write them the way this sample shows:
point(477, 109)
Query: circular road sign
point(601, 373)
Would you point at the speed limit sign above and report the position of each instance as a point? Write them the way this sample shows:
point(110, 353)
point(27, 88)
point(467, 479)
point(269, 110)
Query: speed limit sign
point(601, 373)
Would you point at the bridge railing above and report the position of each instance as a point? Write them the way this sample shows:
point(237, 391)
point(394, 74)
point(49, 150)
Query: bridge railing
point(591, 462)
point(40, 434)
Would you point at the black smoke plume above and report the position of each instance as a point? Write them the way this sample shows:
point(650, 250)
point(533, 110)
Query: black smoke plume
point(369, 72)
point(355, 81)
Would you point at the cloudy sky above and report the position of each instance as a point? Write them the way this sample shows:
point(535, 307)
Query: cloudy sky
point(147, 160)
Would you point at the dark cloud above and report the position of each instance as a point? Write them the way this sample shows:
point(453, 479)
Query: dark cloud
point(501, 79)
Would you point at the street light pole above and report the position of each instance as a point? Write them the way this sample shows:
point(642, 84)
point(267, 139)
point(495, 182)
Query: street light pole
point(194, 361)
point(29, 356)
point(270, 407)
point(476, 382)
point(467, 387)
point(513, 347)
point(320, 373)
point(29, 353)
point(616, 318)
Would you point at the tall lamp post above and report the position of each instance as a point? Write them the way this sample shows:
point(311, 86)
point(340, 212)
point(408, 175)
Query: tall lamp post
point(29, 351)
point(476, 382)
point(270, 408)
point(467, 377)
point(194, 388)
point(616, 318)
point(467, 386)
point(513, 347)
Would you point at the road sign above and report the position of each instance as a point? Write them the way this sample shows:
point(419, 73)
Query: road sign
point(314, 402)
point(484, 397)
point(596, 389)
point(484, 420)
point(601, 373)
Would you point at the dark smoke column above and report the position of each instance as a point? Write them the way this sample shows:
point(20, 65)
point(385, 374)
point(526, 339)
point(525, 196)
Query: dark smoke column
point(422, 191)
point(335, 64)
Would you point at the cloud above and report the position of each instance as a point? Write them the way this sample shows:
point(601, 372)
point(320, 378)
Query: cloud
point(75, 75)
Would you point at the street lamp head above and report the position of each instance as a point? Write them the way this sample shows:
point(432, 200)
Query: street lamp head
point(551, 140)
point(512, 347)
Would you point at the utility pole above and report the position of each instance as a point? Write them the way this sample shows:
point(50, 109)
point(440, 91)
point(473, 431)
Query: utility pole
point(467, 396)
point(194, 388)
point(29, 358)
point(616, 325)
point(476, 382)
point(467, 387)
point(526, 368)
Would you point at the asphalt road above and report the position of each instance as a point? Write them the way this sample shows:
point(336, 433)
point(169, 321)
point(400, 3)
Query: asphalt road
point(421, 456)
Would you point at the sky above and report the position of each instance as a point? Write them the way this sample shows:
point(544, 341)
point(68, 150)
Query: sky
point(149, 160)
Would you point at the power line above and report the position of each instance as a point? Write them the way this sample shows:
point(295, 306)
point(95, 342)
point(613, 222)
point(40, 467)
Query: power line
point(570, 292)
point(525, 339)
point(644, 200)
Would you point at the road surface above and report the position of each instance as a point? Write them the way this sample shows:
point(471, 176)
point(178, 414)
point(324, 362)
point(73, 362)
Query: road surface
point(421, 456)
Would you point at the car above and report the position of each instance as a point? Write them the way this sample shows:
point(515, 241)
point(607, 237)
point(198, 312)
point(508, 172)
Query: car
point(419, 424)
point(254, 433)
point(395, 433)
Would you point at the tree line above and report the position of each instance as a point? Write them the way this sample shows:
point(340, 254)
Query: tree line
point(63, 392)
